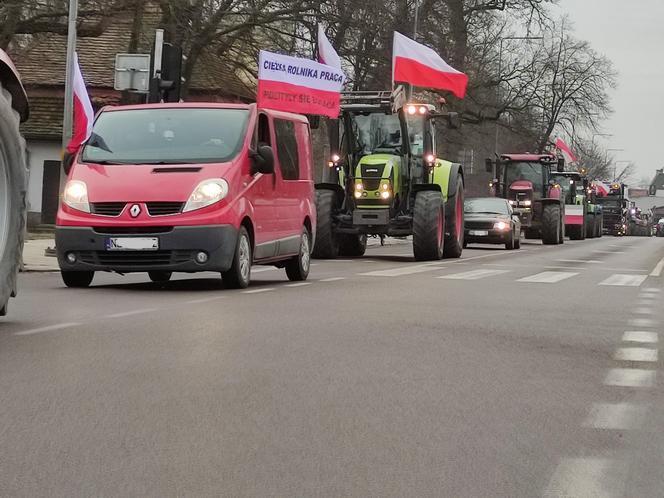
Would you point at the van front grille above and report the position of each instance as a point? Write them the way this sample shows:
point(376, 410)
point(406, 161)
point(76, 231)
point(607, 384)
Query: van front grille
point(107, 208)
point(164, 208)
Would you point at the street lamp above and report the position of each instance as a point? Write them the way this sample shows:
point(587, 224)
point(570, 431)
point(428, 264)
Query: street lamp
point(500, 69)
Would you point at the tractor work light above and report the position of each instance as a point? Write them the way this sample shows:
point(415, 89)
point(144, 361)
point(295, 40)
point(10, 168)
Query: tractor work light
point(335, 158)
point(386, 186)
point(431, 159)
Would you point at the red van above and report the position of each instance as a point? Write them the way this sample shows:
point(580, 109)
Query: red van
point(186, 187)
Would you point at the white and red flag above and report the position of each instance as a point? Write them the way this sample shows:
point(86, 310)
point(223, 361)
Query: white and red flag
point(566, 150)
point(83, 113)
point(419, 65)
point(326, 53)
point(293, 84)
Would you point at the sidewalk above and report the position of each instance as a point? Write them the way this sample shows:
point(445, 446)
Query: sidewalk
point(34, 258)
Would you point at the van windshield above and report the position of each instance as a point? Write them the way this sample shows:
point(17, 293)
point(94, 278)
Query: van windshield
point(166, 136)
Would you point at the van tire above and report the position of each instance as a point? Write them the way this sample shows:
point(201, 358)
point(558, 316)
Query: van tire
point(352, 246)
point(238, 275)
point(428, 226)
point(13, 178)
point(327, 242)
point(77, 279)
point(454, 215)
point(297, 268)
point(160, 277)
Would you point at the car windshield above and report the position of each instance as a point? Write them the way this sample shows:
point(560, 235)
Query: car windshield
point(529, 171)
point(166, 136)
point(486, 205)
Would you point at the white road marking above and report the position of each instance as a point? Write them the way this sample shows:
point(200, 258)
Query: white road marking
point(298, 284)
point(548, 277)
point(616, 416)
point(258, 291)
point(636, 354)
point(404, 270)
point(630, 377)
point(205, 300)
point(642, 322)
point(622, 279)
point(586, 477)
point(474, 274)
point(591, 261)
point(651, 290)
point(640, 336)
point(332, 279)
point(131, 313)
point(48, 328)
point(643, 311)
point(609, 252)
point(657, 271)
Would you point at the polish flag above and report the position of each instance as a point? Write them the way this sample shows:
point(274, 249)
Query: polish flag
point(601, 189)
point(419, 65)
point(565, 149)
point(326, 53)
point(83, 113)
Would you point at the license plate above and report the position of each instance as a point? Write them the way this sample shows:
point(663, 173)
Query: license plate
point(478, 233)
point(132, 244)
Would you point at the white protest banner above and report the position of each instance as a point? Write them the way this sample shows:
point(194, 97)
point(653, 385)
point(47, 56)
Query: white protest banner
point(293, 84)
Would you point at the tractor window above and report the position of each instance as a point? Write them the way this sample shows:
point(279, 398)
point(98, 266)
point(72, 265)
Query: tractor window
point(528, 171)
point(416, 134)
point(376, 133)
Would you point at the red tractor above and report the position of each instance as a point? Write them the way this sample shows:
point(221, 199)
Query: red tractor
point(13, 175)
point(526, 181)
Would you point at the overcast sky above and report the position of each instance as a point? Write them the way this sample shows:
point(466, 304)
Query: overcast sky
point(631, 34)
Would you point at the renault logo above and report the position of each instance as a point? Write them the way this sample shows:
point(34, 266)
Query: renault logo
point(135, 210)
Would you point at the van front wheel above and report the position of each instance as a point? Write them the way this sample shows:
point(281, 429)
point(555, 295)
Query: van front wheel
point(77, 279)
point(239, 274)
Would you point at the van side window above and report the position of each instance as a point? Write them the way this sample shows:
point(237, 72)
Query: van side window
point(264, 130)
point(287, 149)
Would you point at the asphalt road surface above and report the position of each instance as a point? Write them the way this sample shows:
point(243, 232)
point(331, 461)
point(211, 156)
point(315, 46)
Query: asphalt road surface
point(506, 373)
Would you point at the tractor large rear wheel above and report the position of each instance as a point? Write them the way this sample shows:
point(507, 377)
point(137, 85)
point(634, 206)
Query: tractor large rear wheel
point(454, 222)
point(12, 198)
point(352, 246)
point(428, 226)
point(551, 229)
point(327, 242)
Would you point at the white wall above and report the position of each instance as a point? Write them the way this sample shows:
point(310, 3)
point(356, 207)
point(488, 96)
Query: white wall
point(38, 152)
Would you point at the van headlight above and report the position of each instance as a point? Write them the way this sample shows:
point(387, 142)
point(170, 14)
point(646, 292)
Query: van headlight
point(206, 193)
point(75, 196)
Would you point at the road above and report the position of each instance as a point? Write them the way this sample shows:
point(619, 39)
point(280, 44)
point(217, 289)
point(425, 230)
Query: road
point(506, 373)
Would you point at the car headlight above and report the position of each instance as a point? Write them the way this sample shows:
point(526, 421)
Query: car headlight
point(75, 196)
point(206, 193)
point(501, 225)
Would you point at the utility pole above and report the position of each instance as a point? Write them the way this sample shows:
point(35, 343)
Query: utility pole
point(68, 117)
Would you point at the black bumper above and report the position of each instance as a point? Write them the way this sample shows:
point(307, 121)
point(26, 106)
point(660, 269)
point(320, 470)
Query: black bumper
point(494, 237)
point(177, 250)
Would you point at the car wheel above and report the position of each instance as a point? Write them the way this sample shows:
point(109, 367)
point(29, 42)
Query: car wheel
point(297, 269)
point(160, 276)
point(239, 274)
point(77, 279)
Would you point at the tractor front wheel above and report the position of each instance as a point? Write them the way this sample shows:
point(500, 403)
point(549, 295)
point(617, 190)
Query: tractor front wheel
point(327, 242)
point(428, 226)
point(551, 229)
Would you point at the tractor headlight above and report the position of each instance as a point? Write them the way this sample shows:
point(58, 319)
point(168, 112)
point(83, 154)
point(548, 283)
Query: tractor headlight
point(206, 193)
point(385, 194)
point(76, 196)
point(527, 203)
point(359, 186)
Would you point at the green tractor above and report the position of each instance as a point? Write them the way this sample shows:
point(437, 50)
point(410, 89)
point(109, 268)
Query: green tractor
point(385, 179)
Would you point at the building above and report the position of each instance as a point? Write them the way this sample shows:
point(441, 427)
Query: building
point(41, 63)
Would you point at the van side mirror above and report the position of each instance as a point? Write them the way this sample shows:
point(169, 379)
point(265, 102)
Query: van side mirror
point(263, 160)
point(488, 165)
point(561, 165)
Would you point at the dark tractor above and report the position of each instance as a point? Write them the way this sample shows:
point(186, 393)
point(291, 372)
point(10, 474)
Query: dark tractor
point(615, 205)
point(526, 181)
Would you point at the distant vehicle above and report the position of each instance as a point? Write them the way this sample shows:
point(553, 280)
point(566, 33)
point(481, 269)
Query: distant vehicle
point(13, 178)
point(491, 220)
point(525, 181)
point(614, 208)
point(583, 216)
point(186, 187)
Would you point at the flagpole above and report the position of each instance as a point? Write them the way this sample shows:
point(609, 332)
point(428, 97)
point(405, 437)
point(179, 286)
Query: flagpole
point(67, 121)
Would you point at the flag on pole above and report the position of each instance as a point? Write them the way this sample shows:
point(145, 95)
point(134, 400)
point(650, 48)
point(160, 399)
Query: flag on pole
point(565, 149)
point(419, 65)
point(326, 53)
point(299, 85)
point(83, 113)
